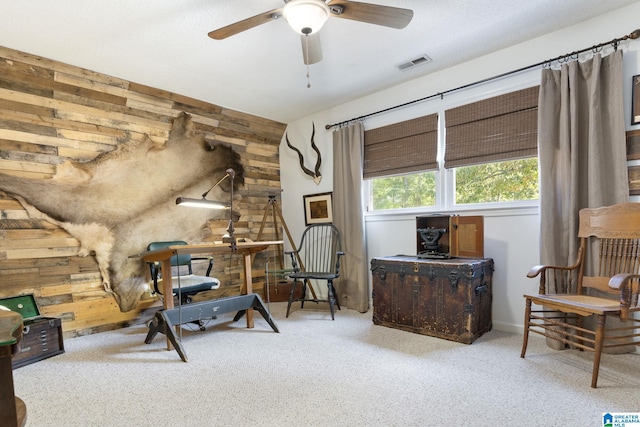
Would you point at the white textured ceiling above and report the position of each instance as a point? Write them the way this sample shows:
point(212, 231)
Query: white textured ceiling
point(164, 44)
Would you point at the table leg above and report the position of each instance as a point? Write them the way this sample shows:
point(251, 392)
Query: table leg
point(167, 291)
point(249, 285)
point(8, 402)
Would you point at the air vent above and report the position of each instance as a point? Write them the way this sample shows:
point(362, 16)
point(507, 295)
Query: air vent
point(424, 59)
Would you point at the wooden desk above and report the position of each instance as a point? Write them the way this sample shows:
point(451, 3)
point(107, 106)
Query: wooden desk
point(12, 408)
point(246, 249)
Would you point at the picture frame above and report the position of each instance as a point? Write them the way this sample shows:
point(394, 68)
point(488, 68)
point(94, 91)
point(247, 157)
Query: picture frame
point(318, 208)
point(635, 100)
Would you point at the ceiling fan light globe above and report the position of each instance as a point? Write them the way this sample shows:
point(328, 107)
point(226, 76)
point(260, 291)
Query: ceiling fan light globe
point(306, 16)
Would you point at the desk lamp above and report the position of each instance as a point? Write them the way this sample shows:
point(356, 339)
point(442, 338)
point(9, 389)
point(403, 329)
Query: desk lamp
point(229, 237)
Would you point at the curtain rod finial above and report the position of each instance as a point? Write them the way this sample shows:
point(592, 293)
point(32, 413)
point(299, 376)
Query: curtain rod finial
point(635, 34)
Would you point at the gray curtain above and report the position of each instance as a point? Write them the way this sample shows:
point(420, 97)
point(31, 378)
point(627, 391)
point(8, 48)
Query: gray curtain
point(582, 149)
point(348, 216)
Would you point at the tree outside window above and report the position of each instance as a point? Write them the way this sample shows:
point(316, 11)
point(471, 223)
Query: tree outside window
point(404, 191)
point(499, 182)
point(508, 181)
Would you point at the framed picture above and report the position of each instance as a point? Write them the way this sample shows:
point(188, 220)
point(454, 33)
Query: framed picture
point(635, 103)
point(318, 208)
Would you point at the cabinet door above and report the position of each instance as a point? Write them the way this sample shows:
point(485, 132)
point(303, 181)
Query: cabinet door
point(467, 236)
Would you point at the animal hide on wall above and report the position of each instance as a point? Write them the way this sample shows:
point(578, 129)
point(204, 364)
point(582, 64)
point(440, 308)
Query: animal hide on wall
point(117, 203)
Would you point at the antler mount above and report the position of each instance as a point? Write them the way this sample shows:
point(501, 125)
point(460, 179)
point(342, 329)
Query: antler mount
point(315, 174)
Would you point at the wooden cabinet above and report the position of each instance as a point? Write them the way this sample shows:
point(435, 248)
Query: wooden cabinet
point(447, 298)
point(41, 338)
point(462, 236)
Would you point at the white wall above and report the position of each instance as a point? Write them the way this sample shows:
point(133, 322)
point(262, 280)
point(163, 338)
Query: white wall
point(511, 235)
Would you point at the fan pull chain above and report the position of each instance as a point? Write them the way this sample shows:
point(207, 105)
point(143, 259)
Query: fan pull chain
point(306, 53)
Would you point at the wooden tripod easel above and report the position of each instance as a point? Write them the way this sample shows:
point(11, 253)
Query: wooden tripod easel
point(273, 208)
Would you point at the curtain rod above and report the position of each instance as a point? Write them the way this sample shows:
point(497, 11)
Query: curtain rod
point(615, 42)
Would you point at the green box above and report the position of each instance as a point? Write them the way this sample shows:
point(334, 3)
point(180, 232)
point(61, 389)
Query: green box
point(23, 304)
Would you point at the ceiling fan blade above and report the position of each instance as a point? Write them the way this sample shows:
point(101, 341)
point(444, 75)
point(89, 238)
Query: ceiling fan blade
point(387, 16)
point(245, 24)
point(311, 48)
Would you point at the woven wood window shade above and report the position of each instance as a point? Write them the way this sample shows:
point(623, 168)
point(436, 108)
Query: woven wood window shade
point(409, 146)
point(501, 128)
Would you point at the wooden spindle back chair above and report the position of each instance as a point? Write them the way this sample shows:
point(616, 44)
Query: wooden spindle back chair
point(318, 258)
point(604, 282)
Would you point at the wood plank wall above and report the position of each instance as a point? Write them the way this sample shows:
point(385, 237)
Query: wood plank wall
point(50, 112)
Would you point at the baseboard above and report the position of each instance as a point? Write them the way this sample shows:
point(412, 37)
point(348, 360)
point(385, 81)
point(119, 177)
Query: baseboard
point(508, 327)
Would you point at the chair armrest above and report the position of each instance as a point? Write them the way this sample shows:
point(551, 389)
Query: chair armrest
point(621, 281)
point(154, 268)
point(560, 275)
point(294, 262)
point(625, 283)
point(538, 269)
point(205, 258)
point(339, 254)
point(202, 258)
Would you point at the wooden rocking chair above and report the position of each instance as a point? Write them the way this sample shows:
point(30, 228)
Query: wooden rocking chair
point(567, 295)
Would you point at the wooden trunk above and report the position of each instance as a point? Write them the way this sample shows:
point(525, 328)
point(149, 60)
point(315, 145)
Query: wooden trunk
point(445, 298)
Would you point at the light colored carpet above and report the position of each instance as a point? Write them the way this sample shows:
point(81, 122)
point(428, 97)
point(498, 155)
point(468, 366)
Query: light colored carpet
point(318, 372)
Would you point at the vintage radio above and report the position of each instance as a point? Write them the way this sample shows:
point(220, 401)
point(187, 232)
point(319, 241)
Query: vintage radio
point(449, 236)
point(41, 337)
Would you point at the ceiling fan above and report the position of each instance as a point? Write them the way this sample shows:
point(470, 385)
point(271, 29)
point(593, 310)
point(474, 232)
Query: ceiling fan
point(306, 17)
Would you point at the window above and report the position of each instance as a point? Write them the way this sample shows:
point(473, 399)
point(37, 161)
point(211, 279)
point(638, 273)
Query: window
point(405, 191)
point(392, 155)
point(490, 147)
point(492, 144)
